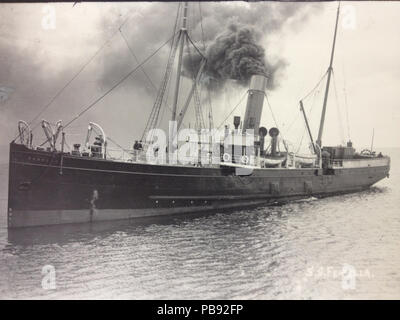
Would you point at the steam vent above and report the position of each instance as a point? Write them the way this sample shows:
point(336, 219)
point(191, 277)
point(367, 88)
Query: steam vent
point(255, 101)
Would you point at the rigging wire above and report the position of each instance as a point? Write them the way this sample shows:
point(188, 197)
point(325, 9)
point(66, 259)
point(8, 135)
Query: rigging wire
point(154, 118)
point(210, 111)
point(226, 96)
point(200, 124)
point(191, 21)
point(114, 86)
point(347, 114)
point(341, 129)
point(108, 139)
point(197, 103)
point(75, 76)
point(273, 117)
point(197, 49)
point(240, 101)
point(297, 115)
point(346, 105)
point(117, 144)
point(143, 70)
point(168, 89)
point(316, 86)
point(137, 60)
point(117, 84)
point(201, 26)
point(305, 129)
point(305, 97)
point(270, 108)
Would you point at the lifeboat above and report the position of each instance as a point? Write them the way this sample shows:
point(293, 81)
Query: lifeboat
point(305, 159)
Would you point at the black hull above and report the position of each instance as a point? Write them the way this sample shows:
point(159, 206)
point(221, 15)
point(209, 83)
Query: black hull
point(49, 188)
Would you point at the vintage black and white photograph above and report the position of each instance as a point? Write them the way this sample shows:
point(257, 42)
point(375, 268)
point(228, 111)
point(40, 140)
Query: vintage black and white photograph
point(232, 150)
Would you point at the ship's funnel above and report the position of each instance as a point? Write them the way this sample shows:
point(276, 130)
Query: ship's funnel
point(274, 133)
point(255, 102)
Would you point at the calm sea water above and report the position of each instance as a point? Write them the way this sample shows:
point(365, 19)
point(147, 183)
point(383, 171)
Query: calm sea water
point(341, 247)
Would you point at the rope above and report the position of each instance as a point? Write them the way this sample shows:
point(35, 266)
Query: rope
point(304, 98)
point(174, 31)
point(273, 117)
point(137, 60)
point(319, 82)
point(197, 49)
point(269, 105)
point(240, 101)
point(201, 25)
point(305, 129)
point(154, 118)
point(210, 110)
point(210, 115)
point(197, 103)
point(338, 109)
point(346, 105)
point(118, 145)
point(116, 85)
point(293, 122)
point(74, 77)
point(113, 87)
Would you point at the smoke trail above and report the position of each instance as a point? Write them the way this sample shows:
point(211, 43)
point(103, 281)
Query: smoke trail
point(32, 67)
point(234, 54)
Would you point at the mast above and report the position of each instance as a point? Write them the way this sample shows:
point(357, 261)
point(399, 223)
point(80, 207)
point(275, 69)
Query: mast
point(191, 93)
point(182, 37)
point(308, 127)
point(372, 141)
point(321, 125)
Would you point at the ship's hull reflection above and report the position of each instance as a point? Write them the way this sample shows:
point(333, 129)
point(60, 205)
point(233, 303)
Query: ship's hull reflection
point(65, 233)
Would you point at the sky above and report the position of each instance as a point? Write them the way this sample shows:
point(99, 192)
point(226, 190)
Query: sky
point(39, 55)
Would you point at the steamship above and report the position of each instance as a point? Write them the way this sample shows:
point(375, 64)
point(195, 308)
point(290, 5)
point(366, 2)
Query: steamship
point(50, 185)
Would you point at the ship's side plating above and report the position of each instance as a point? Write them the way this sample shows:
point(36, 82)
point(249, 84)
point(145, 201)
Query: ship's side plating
point(45, 189)
point(52, 187)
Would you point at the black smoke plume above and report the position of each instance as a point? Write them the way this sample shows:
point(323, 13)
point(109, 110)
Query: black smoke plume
point(234, 54)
